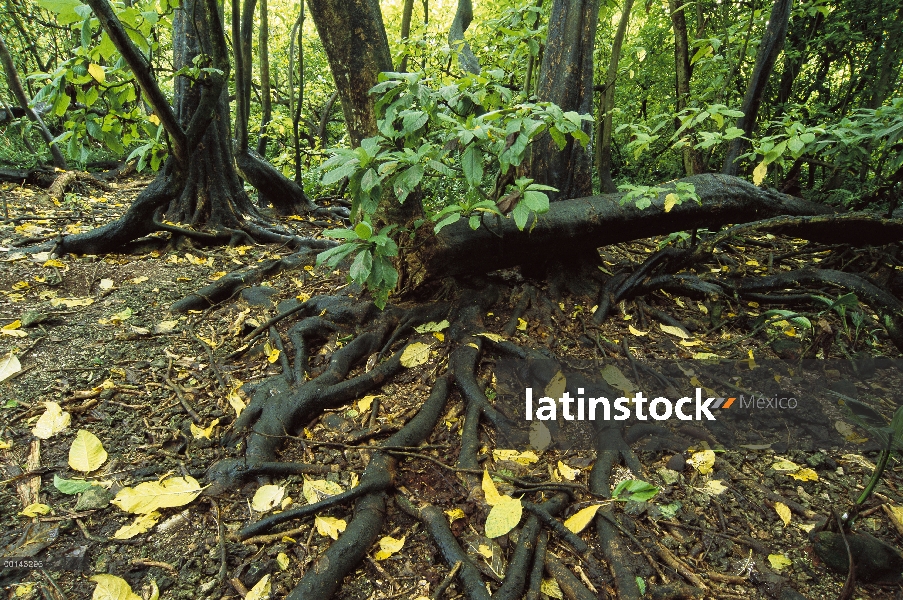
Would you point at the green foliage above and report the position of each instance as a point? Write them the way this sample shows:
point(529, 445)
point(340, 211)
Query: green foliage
point(454, 140)
point(634, 490)
point(372, 266)
point(643, 195)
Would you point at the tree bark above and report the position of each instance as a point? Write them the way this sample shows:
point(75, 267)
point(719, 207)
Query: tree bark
point(266, 105)
point(462, 20)
point(605, 121)
point(406, 14)
point(566, 78)
point(15, 85)
point(771, 45)
point(581, 225)
point(692, 160)
point(357, 48)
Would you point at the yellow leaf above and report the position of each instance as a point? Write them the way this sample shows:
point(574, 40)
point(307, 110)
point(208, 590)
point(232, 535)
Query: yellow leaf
point(282, 561)
point(261, 590)
point(705, 356)
point(272, 353)
point(86, 453)
point(521, 324)
point(490, 492)
point(805, 475)
point(165, 326)
point(139, 279)
point(110, 587)
point(364, 403)
point(53, 262)
point(567, 472)
point(779, 561)
point(580, 519)
point(97, 72)
point(759, 173)
point(550, 588)
point(485, 550)
point(4, 445)
point(315, 490)
point(675, 331)
point(200, 433)
point(432, 326)
point(703, 461)
point(524, 458)
point(53, 421)
point(439, 336)
point(783, 511)
point(234, 398)
point(715, 487)
point(689, 343)
point(504, 516)
point(330, 526)
point(154, 119)
point(670, 201)
point(9, 366)
point(71, 302)
point(153, 495)
point(415, 354)
point(33, 510)
point(455, 514)
point(267, 497)
point(494, 337)
point(388, 546)
point(636, 331)
point(141, 524)
point(12, 329)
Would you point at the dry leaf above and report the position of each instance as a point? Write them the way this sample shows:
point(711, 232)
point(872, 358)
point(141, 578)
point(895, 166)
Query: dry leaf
point(492, 337)
point(671, 201)
point(415, 354)
point(200, 433)
point(141, 524)
point(636, 331)
point(53, 421)
point(805, 475)
point(33, 510)
point(785, 465)
point(165, 326)
point(702, 461)
point(315, 490)
point(267, 497)
point(234, 398)
point(521, 324)
point(387, 547)
point(363, 405)
point(550, 588)
point(9, 365)
point(455, 514)
point(524, 458)
point(504, 516)
point(261, 590)
point(71, 302)
point(490, 492)
point(759, 173)
point(110, 587)
point(783, 511)
point(432, 326)
point(282, 561)
point(714, 487)
point(567, 472)
point(616, 379)
point(580, 519)
point(137, 280)
point(675, 331)
point(105, 284)
point(779, 561)
point(87, 452)
point(540, 436)
point(556, 386)
point(153, 495)
point(13, 329)
point(330, 526)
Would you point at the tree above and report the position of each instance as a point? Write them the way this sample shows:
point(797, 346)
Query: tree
point(605, 121)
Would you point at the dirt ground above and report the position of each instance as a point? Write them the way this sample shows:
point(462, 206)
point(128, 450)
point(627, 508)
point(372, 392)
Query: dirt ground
point(95, 336)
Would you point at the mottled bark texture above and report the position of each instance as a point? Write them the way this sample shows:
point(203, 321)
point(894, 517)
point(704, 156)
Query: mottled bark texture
point(356, 45)
point(771, 45)
point(462, 20)
point(566, 78)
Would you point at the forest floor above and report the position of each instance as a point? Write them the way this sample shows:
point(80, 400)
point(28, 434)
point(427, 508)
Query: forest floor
point(94, 335)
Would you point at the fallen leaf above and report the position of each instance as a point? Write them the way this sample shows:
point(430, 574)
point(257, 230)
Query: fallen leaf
point(364, 403)
point(490, 492)
point(13, 329)
point(315, 490)
point(779, 561)
point(153, 495)
point(550, 588)
point(272, 353)
point(675, 331)
point(432, 326)
point(9, 366)
point(636, 331)
point(671, 201)
point(33, 510)
point(165, 326)
point(415, 354)
point(330, 526)
point(702, 461)
point(70, 486)
point(785, 465)
point(388, 546)
point(267, 497)
point(455, 514)
point(521, 324)
point(783, 511)
point(139, 279)
point(556, 386)
point(492, 337)
point(504, 516)
point(282, 561)
point(51, 422)
point(523, 458)
point(715, 487)
point(54, 262)
point(261, 590)
point(705, 356)
point(578, 521)
point(804, 475)
point(567, 472)
point(87, 452)
point(141, 524)
point(71, 302)
point(110, 587)
point(759, 173)
point(105, 284)
point(234, 398)
point(616, 379)
point(204, 433)
point(4, 445)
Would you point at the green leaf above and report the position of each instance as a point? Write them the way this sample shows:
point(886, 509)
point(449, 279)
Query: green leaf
point(334, 256)
point(472, 163)
point(369, 180)
point(407, 181)
point(70, 486)
point(339, 173)
point(520, 214)
point(361, 267)
point(636, 490)
point(363, 230)
point(64, 9)
point(452, 218)
point(538, 202)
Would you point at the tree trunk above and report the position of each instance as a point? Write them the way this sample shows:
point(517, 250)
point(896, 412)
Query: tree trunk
point(463, 17)
point(356, 45)
point(566, 78)
point(581, 225)
point(795, 54)
point(605, 121)
point(15, 86)
point(266, 105)
point(295, 110)
point(889, 68)
point(406, 14)
point(771, 45)
point(692, 160)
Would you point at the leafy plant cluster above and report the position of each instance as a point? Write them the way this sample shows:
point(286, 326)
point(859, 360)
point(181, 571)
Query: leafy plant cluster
point(460, 142)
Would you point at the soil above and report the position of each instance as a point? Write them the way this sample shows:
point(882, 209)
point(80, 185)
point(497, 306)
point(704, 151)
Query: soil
point(103, 345)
